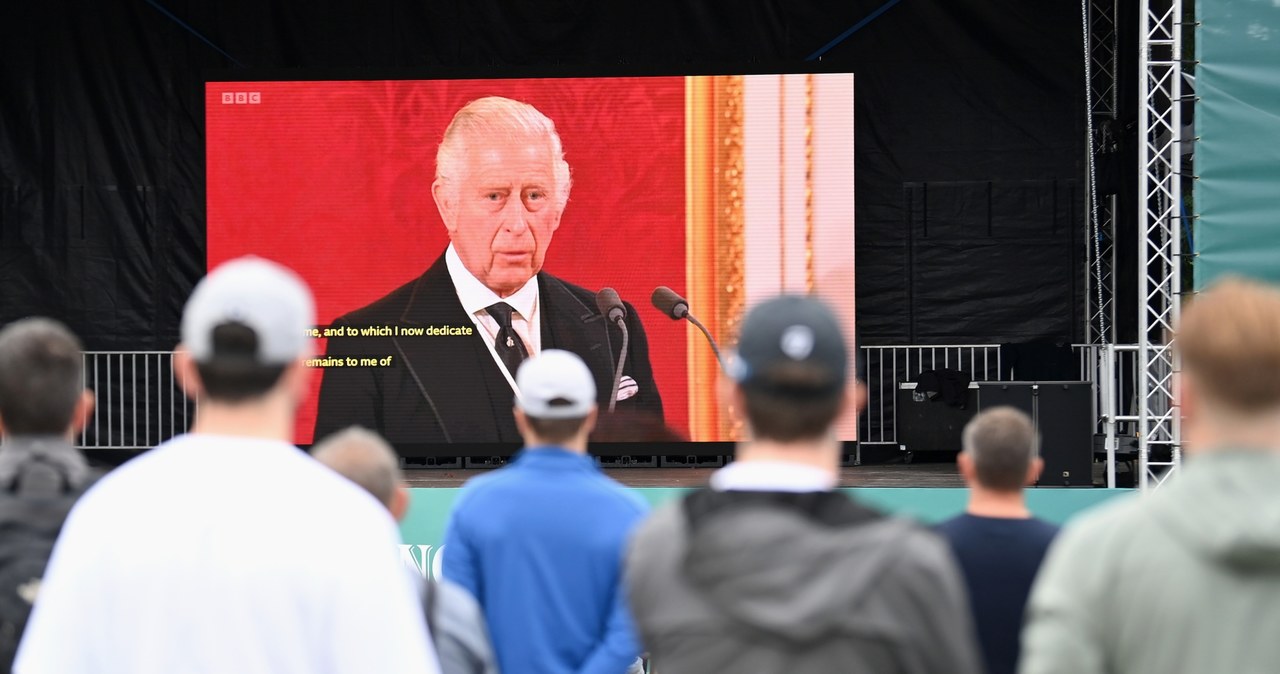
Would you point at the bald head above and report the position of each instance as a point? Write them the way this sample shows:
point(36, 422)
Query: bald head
point(366, 459)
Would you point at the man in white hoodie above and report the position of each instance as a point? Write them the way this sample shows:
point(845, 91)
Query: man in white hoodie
point(1186, 579)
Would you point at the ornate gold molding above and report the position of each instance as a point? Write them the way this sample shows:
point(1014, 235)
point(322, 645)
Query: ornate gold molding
point(714, 253)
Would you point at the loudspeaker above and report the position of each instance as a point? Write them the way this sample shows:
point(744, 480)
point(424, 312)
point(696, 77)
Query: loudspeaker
point(932, 425)
point(1063, 415)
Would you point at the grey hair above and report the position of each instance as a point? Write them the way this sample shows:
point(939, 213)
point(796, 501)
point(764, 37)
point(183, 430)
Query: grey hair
point(362, 456)
point(495, 116)
point(1002, 443)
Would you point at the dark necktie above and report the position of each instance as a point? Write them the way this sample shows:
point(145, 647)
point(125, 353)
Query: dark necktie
point(507, 343)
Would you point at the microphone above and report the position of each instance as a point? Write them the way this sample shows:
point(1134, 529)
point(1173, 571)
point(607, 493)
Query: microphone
point(669, 303)
point(611, 306)
point(676, 307)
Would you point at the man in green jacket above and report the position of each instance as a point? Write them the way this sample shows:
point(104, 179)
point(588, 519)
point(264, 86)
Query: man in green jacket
point(1186, 579)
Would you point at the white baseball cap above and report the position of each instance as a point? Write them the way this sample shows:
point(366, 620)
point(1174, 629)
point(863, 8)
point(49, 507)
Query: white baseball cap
point(267, 297)
point(555, 384)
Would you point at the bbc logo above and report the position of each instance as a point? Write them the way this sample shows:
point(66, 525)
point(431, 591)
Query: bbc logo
point(241, 97)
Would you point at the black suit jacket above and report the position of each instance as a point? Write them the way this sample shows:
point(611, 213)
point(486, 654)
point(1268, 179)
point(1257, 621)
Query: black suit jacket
point(448, 388)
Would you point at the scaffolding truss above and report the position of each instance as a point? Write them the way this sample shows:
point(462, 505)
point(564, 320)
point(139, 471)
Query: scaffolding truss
point(1160, 228)
point(1102, 46)
point(1154, 416)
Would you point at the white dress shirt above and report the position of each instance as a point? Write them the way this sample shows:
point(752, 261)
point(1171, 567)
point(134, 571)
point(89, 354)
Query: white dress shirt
point(476, 297)
point(772, 476)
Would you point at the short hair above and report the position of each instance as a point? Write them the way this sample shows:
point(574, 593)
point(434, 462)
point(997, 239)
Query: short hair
point(555, 431)
point(232, 374)
point(1229, 339)
point(782, 413)
point(495, 116)
point(362, 456)
point(41, 377)
point(1002, 443)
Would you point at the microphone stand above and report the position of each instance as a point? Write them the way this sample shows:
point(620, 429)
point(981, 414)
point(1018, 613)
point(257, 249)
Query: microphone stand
point(710, 340)
point(622, 360)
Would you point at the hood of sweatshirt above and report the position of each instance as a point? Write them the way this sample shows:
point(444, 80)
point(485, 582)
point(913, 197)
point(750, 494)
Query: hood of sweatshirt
point(782, 562)
point(1226, 506)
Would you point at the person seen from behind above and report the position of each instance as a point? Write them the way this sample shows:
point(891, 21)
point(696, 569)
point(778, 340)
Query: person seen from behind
point(1185, 578)
point(770, 570)
point(43, 407)
point(998, 543)
point(453, 616)
point(227, 549)
point(539, 542)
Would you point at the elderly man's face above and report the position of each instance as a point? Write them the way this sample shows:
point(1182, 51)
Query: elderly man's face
point(504, 211)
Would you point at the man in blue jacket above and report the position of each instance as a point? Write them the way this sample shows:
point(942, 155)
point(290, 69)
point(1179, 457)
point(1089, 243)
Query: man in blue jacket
point(540, 542)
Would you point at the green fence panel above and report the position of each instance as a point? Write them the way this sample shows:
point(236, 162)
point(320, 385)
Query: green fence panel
point(429, 508)
point(1237, 198)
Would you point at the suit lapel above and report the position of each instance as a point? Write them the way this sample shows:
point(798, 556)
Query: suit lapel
point(570, 324)
point(458, 373)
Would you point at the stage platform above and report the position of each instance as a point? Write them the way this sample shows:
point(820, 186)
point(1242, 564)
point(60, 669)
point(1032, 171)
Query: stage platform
point(894, 475)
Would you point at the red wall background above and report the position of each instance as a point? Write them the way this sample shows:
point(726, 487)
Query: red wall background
point(334, 179)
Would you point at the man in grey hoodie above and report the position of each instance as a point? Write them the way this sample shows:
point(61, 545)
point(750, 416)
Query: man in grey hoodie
point(1186, 579)
point(771, 570)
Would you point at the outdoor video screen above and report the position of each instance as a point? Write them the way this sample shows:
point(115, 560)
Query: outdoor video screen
point(418, 209)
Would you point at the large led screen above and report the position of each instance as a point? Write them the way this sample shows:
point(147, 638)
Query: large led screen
point(412, 207)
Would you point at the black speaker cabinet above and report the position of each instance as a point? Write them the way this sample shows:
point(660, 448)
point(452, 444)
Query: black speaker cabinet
point(1063, 414)
point(931, 425)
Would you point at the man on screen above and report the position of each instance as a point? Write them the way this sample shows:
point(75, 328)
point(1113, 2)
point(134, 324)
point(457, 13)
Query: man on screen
point(485, 304)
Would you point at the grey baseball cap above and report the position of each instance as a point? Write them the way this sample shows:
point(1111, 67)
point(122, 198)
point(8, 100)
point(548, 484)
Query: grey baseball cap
point(267, 297)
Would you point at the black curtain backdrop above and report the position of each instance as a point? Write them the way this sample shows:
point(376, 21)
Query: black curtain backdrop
point(970, 118)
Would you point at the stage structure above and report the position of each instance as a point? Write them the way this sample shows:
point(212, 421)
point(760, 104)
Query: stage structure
point(1148, 415)
point(1153, 416)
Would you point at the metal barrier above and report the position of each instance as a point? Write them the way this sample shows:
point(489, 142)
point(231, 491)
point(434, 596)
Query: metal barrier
point(884, 367)
point(139, 400)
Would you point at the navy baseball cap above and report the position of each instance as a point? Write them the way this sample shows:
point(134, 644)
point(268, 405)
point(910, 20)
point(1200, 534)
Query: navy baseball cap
point(791, 346)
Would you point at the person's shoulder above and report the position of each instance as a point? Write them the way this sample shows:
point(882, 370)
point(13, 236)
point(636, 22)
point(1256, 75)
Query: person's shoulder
point(919, 550)
point(663, 522)
point(127, 486)
point(161, 459)
point(390, 307)
point(484, 487)
point(623, 497)
point(657, 543)
point(553, 282)
point(341, 510)
point(951, 527)
point(455, 602)
point(1043, 528)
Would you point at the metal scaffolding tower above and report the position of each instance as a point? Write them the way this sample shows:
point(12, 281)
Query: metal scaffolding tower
point(1160, 234)
point(1101, 48)
point(1155, 416)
